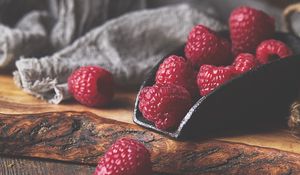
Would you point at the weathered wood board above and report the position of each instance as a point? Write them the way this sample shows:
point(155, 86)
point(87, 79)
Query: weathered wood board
point(226, 154)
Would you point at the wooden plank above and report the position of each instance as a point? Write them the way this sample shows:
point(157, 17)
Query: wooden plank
point(84, 137)
point(15, 101)
point(23, 166)
point(280, 139)
point(29, 166)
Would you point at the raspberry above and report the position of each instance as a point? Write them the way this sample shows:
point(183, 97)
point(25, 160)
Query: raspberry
point(204, 46)
point(249, 27)
point(272, 49)
point(179, 71)
point(91, 85)
point(125, 157)
point(244, 62)
point(210, 77)
point(164, 104)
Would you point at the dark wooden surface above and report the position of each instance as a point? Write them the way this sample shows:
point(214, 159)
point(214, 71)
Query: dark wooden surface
point(25, 166)
point(83, 137)
point(30, 166)
point(232, 155)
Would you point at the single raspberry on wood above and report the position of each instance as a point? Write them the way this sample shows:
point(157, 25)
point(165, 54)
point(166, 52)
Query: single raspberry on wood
point(272, 49)
point(164, 104)
point(125, 157)
point(204, 46)
point(248, 27)
point(91, 85)
point(244, 62)
point(210, 77)
point(179, 71)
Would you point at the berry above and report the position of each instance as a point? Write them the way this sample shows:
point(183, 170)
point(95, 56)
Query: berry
point(210, 77)
point(204, 46)
point(125, 157)
point(249, 27)
point(272, 49)
point(164, 104)
point(91, 85)
point(177, 70)
point(244, 62)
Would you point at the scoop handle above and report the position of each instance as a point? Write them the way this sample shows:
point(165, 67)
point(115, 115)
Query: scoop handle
point(287, 14)
point(294, 118)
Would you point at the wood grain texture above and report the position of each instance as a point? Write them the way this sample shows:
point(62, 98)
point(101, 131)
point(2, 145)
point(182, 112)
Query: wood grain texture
point(84, 137)
point(23, 166)
point(29, 166)
point(15, 101)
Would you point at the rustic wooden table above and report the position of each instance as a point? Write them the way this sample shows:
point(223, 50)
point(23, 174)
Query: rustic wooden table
point(18, 166)
point(15, 101)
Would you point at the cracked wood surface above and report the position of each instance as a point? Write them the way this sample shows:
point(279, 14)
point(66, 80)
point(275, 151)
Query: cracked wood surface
point(14, 101)
point(83, 137)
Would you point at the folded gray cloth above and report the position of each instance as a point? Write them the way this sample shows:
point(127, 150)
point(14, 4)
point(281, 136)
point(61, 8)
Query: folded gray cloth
point(76, 17)
point(27, 39)
point(128, 46)
point(59, 24)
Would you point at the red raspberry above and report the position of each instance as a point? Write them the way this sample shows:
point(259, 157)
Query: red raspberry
point(244, 62)
point(179, 71)
point(249, 27)
point(91, 85)
point(125, 157)
point(164, 104)
point(210, 77)
point(204, 46)
point(272, 49)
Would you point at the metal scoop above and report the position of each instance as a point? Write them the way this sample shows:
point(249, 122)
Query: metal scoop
point(259, 98)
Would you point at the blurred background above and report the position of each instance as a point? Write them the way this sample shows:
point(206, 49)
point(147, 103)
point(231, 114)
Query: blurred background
point(12, 10)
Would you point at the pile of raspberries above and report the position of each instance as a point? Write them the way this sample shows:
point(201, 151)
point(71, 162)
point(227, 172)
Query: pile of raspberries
point(210, 61)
